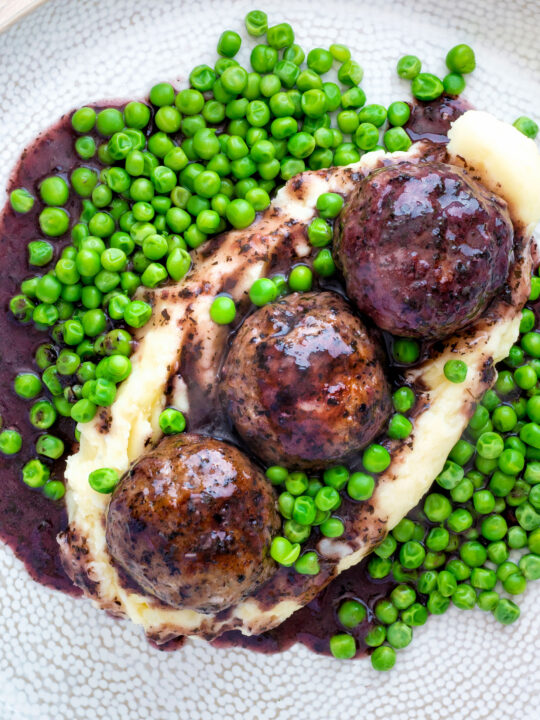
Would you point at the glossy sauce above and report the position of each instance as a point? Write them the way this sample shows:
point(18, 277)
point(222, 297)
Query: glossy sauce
point(29, 522)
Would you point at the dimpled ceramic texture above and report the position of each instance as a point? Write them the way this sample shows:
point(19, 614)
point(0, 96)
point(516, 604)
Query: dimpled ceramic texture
point(62, 659)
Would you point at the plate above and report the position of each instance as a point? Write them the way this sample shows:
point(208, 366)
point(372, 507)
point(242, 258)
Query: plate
point(60, 658)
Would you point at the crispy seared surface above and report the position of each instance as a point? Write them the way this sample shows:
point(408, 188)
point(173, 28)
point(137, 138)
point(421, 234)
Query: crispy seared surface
point(303, 382)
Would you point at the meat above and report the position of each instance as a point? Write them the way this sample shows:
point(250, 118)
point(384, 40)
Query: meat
point(302, 382)
point(423, 248)
point(192, 522)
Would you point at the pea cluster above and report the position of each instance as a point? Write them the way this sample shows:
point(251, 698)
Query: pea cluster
point(480, 528)
point(460, 61)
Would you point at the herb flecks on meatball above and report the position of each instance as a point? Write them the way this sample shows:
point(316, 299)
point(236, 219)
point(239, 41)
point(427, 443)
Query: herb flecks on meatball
point(303, 383)
point(192, 522)
point(423, 248)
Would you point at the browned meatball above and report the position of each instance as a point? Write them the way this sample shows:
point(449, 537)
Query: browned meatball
point(423, 248)
point(303, 383)
point(192, 523)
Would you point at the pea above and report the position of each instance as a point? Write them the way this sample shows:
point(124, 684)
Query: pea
point(453, 83)
point(343, 646)
point(172, 421)
point(350, 73)
point(455, 371)
point(240, 213)
point(426, 87)
point(527, 126)
point(461, 59)
point(276, 474)
point(405, 351)
point(408, 67)
point(398, 113)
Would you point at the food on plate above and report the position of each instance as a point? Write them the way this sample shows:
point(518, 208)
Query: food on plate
point(192, 521)
point(303, 384)
point(260, 318)
point(423, 248)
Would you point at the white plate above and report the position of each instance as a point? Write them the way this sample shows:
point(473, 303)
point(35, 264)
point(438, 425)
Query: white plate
point(62, 659)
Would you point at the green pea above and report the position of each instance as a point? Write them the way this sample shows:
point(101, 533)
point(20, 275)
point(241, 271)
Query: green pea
point(350, 73)
point(473, 553)
point(376, 458)
point(83, 119)
point(426, 87)
point(402, 596)
point(412, 554)
point(304, 510)
point(343, 647)
point(351, 613)
point(396, 139)
point(50, 446)
point(53, 221)
point(455, 371)
point(27, 385)
point(437, 604)
point(223, 310)
point(333, 527)
point(506, 611)
point(263, 58)
point(399, 635)
point(532, 473)
point(354, 97)
point(461, 59)
point(415, 615)
point(386, 548)
point(376, 636)
point(240, 213)
point(284, 552)
point(405, 351)
point(453, 83)
point(103, 480)
point(510, 461)
point(35, 474)
point(408, 67)
point(464, 597)
point(42, 415)
point(530, 434)
point(54, 190)
point(398, 113)
point(137, 115)
point(525, 377)
point(172, 421)
point(10, 442)
point(360, 486)
point(494, 527)
point(451, 475)
point(527, 517)
point(21, 200)
point(527, 126)
point(386, 612)
point(399, 427)
point(517, 538)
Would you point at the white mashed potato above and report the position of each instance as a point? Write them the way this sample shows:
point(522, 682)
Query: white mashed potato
point(506, 162)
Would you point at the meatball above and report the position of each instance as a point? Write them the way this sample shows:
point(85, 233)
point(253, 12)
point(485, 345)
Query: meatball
point(192, 522)
point(423, 248)
point(303, 383)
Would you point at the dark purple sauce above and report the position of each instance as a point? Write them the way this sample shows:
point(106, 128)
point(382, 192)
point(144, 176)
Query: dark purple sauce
point(432, 120)
point(29, 522)
point(315, 623)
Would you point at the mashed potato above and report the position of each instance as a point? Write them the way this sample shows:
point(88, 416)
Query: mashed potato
point(506, 162)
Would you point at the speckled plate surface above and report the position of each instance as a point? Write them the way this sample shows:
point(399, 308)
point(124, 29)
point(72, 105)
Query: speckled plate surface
point(62, 659)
